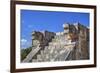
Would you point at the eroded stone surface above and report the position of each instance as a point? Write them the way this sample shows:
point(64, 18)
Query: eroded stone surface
point(72, 44)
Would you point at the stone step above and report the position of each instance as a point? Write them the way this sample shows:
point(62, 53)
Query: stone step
point(62, 55)
point(54, 43)
point(42, 54)
point(31, 54)
point(61, 42)
point(46, 51)
point(34, 60)
point(57, 40)
point(57, 50)
point(60, 37)
point(51, 51)
point(53, 55)
point(38, 56)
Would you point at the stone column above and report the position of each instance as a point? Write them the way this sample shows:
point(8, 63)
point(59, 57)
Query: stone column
point(35, 41)
point(66, 28)
point(33, 37)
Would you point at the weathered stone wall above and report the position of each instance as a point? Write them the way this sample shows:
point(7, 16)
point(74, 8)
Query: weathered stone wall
point(42, 37)
point(72, 29)
point(84, 41)
point(54, 43)
point(48, 36)
point(79, 34)
point(37, 38)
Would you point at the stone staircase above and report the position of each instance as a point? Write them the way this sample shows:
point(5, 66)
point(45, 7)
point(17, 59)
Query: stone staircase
point(31, 54)
point(57, 50)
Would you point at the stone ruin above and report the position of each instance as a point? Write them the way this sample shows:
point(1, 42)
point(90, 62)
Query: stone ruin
point(71, 44)
point(42, 38)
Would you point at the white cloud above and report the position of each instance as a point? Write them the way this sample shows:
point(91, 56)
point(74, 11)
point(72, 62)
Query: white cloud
point(25, 43)
point(23, 40)
point(30, 26)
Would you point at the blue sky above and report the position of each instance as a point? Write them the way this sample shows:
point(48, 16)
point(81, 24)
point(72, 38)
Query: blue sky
point(47, 20)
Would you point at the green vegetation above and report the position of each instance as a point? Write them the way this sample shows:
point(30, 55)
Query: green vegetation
point(25, 52)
